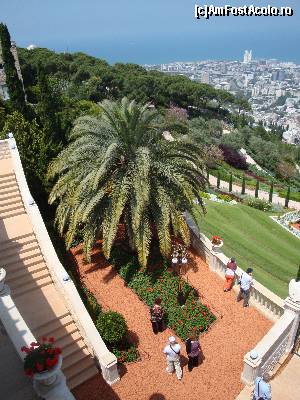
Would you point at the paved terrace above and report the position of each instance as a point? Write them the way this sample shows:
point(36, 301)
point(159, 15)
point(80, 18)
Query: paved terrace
point(41, 305)
point(236, 331)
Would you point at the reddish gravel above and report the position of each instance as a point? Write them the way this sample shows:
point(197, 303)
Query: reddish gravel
point(236, 331)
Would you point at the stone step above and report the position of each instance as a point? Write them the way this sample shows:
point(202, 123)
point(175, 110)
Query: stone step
point(12, 189)
point(22, 273)
point(18, 241)
point(23, 263)
point(19, 248)
point(15, 194)
point(67, 351)
point(76, 369)
point(76, 357)
point(82, 377)
point(27, 279)
point(6, 180)
point(4, 176)
point(7, 184)
point(32, 286)
point(53, 327)
point(60, 334)
point(69, 340)
point(12, 201)
point(11, 214)
point(48, 323)
point(28, 253)
point(5, 210)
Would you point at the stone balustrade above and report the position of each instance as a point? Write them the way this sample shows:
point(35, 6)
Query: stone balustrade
point(106, 359)
point(274, 346)
point(271, 305)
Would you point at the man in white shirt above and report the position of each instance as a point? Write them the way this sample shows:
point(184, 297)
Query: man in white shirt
point(246, 282)
point(172, 351)
point(262, 389)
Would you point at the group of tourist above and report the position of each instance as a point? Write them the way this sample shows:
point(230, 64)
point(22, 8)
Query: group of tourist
point(262, 388)
point(245, 281)
point(172, 350)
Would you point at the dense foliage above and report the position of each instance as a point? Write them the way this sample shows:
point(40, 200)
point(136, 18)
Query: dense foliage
point(112, 327)
point(194, 317)
point(15, 87)
point(120, 168)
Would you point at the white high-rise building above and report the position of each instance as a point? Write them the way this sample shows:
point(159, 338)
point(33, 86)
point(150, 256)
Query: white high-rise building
point(247, 56)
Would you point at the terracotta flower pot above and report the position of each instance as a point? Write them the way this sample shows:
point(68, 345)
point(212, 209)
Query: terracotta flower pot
point(217, 247)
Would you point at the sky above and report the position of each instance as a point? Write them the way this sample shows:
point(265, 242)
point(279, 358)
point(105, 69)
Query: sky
point(151, 31)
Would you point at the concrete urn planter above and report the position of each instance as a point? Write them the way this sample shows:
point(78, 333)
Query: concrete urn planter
point(47, 378)
point(294, 290)
point(2, 278)
point(217, 247)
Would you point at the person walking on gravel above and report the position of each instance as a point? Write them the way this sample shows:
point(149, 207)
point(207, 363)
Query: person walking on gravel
point(157, 317)
point(230, 274)
point(246, 282)
point(172, 351)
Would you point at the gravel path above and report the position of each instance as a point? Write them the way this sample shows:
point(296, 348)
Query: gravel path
point(261, 194)
point(236, 331)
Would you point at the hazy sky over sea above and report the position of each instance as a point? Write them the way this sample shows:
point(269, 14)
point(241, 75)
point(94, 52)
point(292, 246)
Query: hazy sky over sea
point(152, 31)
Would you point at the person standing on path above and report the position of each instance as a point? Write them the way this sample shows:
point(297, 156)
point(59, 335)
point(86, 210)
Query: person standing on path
point(157, 317)
point(229, 275)
point(246, 282)
point(172, 351)
point(262, 388)
point(193, 350)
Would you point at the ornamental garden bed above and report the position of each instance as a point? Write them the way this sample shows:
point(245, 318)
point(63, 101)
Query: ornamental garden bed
point(161, 282)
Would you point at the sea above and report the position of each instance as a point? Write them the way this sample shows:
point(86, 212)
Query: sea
point(159, 50)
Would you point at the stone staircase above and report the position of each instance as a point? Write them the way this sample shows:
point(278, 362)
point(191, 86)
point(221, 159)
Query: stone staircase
point(40, 303)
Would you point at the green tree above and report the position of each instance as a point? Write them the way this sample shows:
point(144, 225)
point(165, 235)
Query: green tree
point(47, 106)
point(244, 185)
point(242, 104)
point(271, 192)
point(230, 183)
point(14, 84)
point(218, 180)
point(256, 188)
point(287, 197)
point(119, 169)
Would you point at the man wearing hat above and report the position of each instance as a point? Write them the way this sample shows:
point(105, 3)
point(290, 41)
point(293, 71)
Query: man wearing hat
point(246, 282)
point(172, 351)
point(262, 388)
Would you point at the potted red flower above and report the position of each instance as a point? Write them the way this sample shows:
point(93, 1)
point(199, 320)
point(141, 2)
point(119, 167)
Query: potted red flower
point(217, 243)
point(42, 360)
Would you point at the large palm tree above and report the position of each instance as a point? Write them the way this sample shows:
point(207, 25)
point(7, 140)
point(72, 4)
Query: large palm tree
point(120, 168)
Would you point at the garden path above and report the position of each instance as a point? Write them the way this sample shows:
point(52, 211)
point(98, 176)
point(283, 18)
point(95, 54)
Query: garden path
point(236, 331)
point(261, 194)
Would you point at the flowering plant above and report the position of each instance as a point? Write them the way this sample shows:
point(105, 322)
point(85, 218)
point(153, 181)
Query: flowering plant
point(216, 240)
point(40, 357)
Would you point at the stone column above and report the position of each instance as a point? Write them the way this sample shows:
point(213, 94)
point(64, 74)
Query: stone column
point(292, 305)
point(109, 367)
point(251, 366)
point(2, 278)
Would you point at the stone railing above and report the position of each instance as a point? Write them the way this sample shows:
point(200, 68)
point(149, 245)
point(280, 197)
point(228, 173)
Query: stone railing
point(274, 346)
point(14, 324)
point(20, 335)
point(106, 359)
point(268, 303)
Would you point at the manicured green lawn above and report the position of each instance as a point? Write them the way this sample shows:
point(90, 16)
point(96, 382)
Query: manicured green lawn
point(255, 240)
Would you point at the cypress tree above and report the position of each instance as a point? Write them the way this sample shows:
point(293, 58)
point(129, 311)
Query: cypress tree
point(256, 188)
point(230, 183)
point(218, 180)
point(207, 174)
point(271, 192)
point(287, 198)
point(47, 106)
point(14, 84)
point(244, 185)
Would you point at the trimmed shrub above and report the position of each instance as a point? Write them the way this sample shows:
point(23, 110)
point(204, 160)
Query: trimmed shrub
point(256, 188)
point(271, 192)
point(259, 204)
point(233, 157)
point(225, 197)
point(112, 327)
